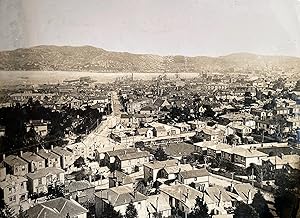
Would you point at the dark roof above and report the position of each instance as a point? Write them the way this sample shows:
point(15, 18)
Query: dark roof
point(147, 108)
point(47, 154)
point(179, 149)
point(121, 177)
point(158, 102)
point(59, 207)
point(13, 160)
point(125, 116)
point(61, 151)
point(121, 151)
point(79, 186)
point(121, 195)
point(194, 173)
point(30, 156)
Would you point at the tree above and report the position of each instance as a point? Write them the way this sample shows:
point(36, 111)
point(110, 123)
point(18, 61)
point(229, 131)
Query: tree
point(56, 191)
point(160, 154)
point(79, 162)
point(131, 211)
point(260, 205)
point(22, 213)
point(6, 211)
point(200, 209)
point(248, 99)
point(257, 171)
point(208, 111)
point(286, 201)
point(245, 211)
point(109, 212)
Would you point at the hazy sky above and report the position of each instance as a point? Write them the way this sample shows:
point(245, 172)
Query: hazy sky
point(188, 27)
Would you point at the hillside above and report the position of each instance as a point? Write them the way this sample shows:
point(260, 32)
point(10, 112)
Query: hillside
point(87, 58)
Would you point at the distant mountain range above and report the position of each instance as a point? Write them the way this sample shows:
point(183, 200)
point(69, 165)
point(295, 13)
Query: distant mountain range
point(87, 58)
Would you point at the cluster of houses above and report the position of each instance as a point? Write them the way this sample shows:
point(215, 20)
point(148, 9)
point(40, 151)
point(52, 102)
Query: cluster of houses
point(75, 93)
point(31, 173)
point(125, 170)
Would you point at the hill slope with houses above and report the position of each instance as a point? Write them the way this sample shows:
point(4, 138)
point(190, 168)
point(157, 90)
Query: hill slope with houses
point(87, 58)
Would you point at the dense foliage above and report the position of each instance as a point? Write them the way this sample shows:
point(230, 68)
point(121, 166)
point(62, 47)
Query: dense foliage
point(67, 120)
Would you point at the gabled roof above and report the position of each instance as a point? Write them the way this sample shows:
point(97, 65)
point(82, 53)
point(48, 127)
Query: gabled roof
point(61, 151)
point(47, 154)
point(245, 190)
point(194, 173)
point(121, 151)
point(158, 202)
point(42, 211)
point(179, 149)
point(30, 156)
point(245, 152)
point(44, 172)
point(121, 177)
point(59, 207)
point(13, 160)
point(121, 195)
point(218, 193)
point(186, 194)
point(74, 186)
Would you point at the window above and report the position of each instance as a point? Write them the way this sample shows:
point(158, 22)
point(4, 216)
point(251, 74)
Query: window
point(12, 199)
point(49, 179)
point(40, 181)
point(22, 185)
point(195, 178)
point(23, 197)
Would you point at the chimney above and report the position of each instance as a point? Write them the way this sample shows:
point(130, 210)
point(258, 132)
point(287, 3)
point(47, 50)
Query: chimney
point(21, 153)
point(37, 149)
point(249, 197)
point(33, 167)
point(3, 156)
point(231, 187)
point(220, 199)
point(51, 147)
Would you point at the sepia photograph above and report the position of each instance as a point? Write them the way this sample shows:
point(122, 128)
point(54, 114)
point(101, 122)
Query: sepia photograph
point(150, 109)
